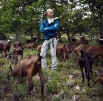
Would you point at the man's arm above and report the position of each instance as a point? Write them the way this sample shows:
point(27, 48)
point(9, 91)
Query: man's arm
point(42, 27)
point(55, 27)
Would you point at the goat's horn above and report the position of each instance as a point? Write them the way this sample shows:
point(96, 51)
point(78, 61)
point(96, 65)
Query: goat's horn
point(99, 38)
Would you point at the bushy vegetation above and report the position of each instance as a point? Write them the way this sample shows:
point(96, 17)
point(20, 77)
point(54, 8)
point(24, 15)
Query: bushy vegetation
point(63, 84)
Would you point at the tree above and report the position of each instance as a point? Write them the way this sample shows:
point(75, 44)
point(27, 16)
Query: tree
point(24, 17)
point(96, 8)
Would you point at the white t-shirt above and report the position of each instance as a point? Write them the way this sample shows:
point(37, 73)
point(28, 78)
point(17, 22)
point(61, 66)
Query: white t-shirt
point(52, 20)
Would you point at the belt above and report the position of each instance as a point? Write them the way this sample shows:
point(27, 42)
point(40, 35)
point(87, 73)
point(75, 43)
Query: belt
point(50, 38)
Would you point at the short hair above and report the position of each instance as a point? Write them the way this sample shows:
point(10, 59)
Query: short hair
point(49, 10)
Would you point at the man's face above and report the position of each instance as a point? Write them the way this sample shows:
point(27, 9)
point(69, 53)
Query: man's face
point(50, 13)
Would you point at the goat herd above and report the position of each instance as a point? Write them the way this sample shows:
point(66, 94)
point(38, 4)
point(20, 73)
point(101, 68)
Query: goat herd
point(31, 65)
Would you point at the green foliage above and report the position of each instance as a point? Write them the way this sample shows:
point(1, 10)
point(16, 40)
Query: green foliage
point(52, 86)
point(3, 61)
point(57, 98)
point(18, 90)
point(25, 16)
point(58, 84)
point(40, 2)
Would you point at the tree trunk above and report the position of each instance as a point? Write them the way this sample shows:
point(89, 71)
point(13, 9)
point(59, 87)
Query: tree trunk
point(67, 32)
point(59, 36)
point(18, 34)
point(31, 33)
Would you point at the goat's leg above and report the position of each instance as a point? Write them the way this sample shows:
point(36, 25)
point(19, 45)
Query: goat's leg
point(41, 81)
point(78, 64)
point(87, 72)
point(81, 68)
point(21, 80)
point(99, 60)
point(102, 84)
point(30, 88)
point(91, 70)
point(88, 78)
point(79, 56)
point(64, 56)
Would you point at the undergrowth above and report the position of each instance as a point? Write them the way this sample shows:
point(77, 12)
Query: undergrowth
point(63, 84)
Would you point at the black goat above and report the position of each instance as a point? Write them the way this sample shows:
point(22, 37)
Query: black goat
point(86, 61)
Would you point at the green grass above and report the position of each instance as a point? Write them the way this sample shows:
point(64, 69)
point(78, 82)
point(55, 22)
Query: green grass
point(60, 85)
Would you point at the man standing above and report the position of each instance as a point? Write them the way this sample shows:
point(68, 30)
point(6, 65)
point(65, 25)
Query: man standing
point(49, 27)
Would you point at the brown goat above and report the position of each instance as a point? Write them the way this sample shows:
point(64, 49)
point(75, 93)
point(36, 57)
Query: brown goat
point(95, 51)
point(30, 45)
point(29, 67)
point(13, 56)
point(61, 50)
point(32, 40)
point(83, 40)
point(72, 45)
point(5, 46)
point(99, 77)
point(18, 51)
point(17, 44)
